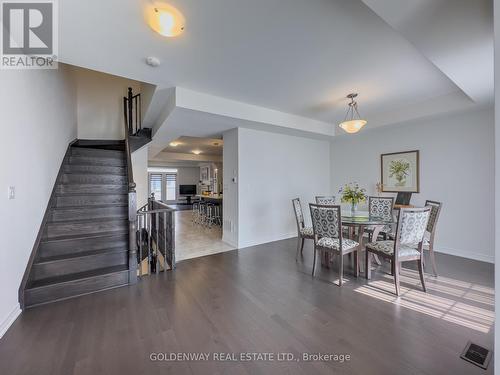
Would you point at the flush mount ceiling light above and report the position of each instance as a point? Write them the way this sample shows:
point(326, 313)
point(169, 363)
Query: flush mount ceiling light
point(165, 19)
point(196, 152)
point(174, 144)
point(352, 122)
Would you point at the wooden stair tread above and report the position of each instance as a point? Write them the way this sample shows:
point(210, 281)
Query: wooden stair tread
point(76, 276)
point(69, 208)
point(64, 194)
point(83, 254)
point(86, 236)
point(91, 173)
point(81, 221)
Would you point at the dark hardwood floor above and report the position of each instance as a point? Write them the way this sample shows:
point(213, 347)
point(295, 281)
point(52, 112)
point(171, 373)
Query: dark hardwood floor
point(260, 300)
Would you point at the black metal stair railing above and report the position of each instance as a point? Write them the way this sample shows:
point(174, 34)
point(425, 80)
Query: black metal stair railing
point(132, 111)
point(155, 238)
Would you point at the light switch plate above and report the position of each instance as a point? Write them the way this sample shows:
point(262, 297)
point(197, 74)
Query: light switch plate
point(12, 192)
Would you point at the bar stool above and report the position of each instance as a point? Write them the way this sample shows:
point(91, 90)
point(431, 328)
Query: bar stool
point(202, 213)
point(195, 214)
point(213, 214)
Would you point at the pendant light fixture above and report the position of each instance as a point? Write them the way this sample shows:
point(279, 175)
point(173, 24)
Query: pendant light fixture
point(352, 122)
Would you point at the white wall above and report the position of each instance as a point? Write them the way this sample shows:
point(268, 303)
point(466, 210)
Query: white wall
point(100, 104)
point(230, 187)
point(496, 361)
point(274, 169)
point(456, 168)
point(140, 171)
point(187, 176)
point(38, 109)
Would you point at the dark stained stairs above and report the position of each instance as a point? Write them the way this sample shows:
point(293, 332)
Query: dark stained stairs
point(84, 243)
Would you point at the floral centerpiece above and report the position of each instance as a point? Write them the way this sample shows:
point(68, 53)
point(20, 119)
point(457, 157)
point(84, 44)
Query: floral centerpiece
point(353, 194)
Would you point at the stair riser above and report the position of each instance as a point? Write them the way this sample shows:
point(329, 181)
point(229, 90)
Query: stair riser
point(97, 153)
point(54, 292)
point(75, 265)
point(78, 200)
point(92, 189)
point(73, 168)
point(94, 179)
point(89, 213)
point(85, 160)
point(51, 249)
point(55, 230)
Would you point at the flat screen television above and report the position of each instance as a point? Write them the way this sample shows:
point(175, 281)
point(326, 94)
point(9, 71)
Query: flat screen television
point(187, 189)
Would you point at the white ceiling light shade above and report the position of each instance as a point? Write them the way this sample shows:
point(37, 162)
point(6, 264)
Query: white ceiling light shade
point(352, 122)
point(165, 19)
point(196, 152)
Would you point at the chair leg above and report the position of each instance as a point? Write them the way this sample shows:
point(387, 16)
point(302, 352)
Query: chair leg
point(302, 246)
point(421, 272)
point(298, 248)
point(314, 262)
point(341, 268)
point(396, 276)
point(433, 259)
point(356, 263)
point(392, 268)
point(368, 265)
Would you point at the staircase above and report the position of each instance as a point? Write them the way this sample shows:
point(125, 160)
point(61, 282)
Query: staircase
point(84, 244)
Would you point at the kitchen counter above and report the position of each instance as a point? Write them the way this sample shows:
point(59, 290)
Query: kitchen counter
point(212, 197)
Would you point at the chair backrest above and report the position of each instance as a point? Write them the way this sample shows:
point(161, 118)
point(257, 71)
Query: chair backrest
point(299, 216)
point(412, 224)
point(381, 206)
point(434, 215)
point(326, 221)
point(327, 200)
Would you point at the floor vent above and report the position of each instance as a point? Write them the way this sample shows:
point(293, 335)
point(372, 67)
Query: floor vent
point(477, 355)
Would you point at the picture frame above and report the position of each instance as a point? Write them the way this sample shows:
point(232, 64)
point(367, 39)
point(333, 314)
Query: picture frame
point(400, 172)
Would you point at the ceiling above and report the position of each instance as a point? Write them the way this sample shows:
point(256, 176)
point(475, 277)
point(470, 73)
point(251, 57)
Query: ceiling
point(299, 56)
point(186, 145)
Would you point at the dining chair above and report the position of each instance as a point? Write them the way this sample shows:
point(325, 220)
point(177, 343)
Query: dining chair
point(431, 231)
point(327, 229)
point(303, 232)
point(326, 200)
point(407, 245)
point(381, 207)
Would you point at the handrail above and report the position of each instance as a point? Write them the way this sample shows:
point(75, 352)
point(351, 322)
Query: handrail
point(132, 106)
point(156, 230)
point(132, 211)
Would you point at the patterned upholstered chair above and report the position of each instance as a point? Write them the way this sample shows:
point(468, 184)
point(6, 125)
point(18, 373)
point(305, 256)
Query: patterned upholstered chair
point(431, 231)
point(327, 227)
point(328, 200)
point(303, 232)
point(381, 207)
point(407, 245)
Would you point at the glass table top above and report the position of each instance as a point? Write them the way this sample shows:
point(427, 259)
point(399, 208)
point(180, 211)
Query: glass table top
point(364, 218)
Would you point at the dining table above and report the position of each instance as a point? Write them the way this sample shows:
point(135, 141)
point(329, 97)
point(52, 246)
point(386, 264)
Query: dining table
point(356, 222)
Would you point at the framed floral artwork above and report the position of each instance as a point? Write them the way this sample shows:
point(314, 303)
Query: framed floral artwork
point(400, 172)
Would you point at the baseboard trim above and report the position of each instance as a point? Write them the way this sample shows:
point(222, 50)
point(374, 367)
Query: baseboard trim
point(268, 240)
point(202, 253)
point(11, 318)
point(229, 241)
point(465, 254)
